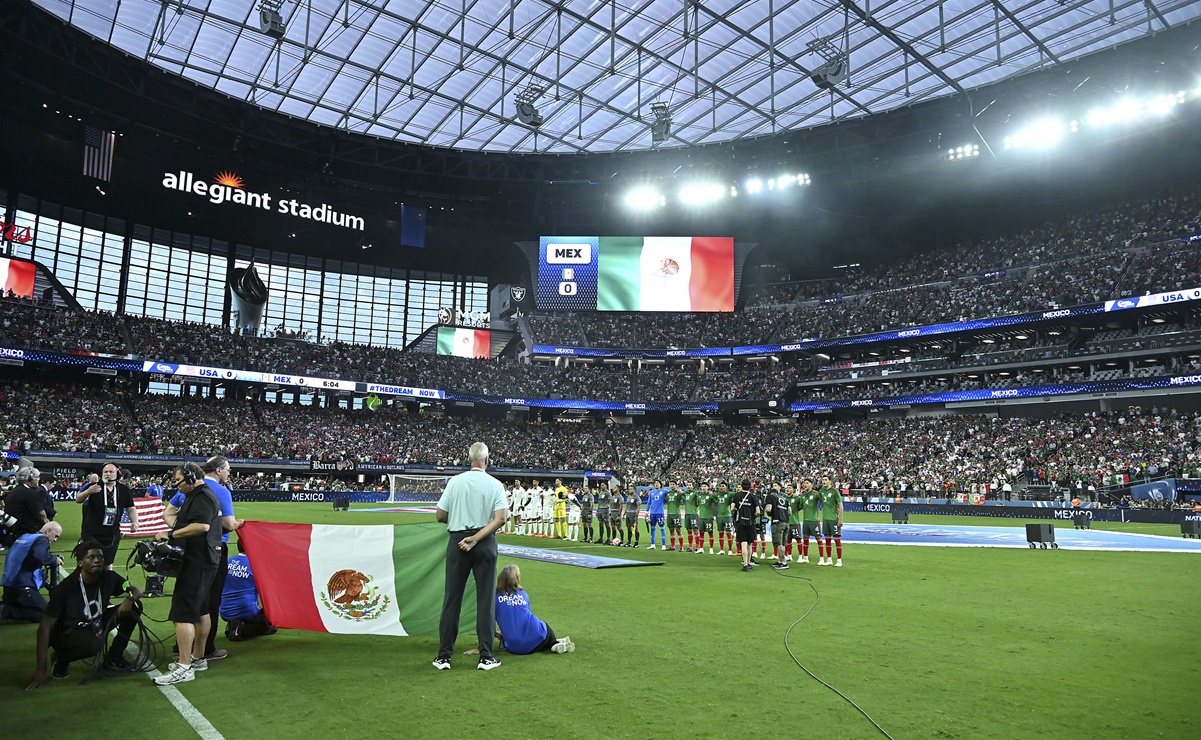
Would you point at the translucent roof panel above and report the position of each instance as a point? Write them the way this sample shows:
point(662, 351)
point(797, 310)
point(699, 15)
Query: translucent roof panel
point(451, 73)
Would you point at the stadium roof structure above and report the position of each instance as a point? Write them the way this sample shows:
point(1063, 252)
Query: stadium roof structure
point(447, 74)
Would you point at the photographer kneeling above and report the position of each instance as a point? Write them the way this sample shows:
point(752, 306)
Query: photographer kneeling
point(79, 615)
point(197, 529)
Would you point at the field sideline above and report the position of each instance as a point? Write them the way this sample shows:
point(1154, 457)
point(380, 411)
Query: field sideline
point(932, 642)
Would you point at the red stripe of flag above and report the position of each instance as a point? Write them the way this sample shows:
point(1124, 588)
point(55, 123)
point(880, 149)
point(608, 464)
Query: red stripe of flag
point(711, 287)
point(279, 560)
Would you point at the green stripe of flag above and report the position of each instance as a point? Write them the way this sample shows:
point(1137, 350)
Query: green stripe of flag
point(619, 273)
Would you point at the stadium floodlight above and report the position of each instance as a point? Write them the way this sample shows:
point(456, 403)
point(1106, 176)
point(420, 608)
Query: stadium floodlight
point(661, 126)
point(754, 185)
point(527, 112)
point(1130, 109)
point(270, 21)
point(969, 151)
point(1042, 134)
point(645, 199)
point(701, 193)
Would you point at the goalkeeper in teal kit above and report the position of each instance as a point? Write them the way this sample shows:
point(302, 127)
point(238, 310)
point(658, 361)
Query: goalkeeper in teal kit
point(656, 496)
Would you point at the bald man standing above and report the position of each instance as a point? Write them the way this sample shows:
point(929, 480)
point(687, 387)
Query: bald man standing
point(473, 508)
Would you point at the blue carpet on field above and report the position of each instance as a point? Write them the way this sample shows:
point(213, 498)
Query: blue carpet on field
point(1067, 538)
point(564, 557)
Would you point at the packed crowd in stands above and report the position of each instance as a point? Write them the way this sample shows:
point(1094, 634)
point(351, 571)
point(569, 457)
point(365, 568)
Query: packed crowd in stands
point(1085, 258)
point(939, 454)
point(951, 453)
point(36, 325)
point(72, 418)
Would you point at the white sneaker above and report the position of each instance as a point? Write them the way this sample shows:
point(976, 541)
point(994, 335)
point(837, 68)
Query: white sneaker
point(720, 552)
point(803, 559)
point(198, 664)
point(787, 558)
point(564, 645)
point(711, 551)
point(178, 674)
point(821, 561)
point(650, 546)
point(838, 564)
point(699, 551)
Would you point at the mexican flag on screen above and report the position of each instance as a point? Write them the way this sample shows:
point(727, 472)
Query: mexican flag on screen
point(665, 273)
point(463, 342)
point(17, 277)
point(368, 580)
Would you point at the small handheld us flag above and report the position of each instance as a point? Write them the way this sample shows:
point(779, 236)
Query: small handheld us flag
point(98, 153)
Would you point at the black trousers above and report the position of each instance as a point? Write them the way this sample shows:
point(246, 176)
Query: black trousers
point(479, 562)
point(24, 604)
point(215, 599)
point(81, 643)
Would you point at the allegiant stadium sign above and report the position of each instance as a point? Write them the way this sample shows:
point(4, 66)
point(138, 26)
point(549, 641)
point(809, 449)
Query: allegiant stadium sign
point(229, 188)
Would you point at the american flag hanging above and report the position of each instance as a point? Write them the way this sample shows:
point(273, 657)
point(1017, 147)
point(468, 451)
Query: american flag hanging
point(98, 153)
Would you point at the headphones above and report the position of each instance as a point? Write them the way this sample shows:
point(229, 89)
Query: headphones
point(188, 472)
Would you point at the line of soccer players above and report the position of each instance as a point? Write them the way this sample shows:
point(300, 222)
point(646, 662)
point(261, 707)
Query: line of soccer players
point(686, 516)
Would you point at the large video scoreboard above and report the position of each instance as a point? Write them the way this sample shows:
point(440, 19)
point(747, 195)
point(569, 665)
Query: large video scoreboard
point(636, 273)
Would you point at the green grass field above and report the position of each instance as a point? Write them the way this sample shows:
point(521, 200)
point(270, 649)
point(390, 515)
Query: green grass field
point(931, 642)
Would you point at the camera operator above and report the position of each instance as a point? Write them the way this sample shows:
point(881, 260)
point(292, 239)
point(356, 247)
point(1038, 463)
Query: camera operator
point(25, 504)
point(103, 498)
point(745, 510)
point(777, 509)
point(79, 615)
point(216, 477)
point(197, 529)
point(22, 579)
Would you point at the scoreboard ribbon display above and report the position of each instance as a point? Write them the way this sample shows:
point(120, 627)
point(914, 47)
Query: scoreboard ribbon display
point(636, 273)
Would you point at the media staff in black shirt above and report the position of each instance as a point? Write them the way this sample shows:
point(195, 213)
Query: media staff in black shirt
point(745, 510)
point(197, 529)
point(103, 499)
point(79, 615)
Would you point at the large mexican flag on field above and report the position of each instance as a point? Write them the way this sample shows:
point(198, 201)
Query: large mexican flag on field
point(368, 580)
point(463, 342)
point(665, 273)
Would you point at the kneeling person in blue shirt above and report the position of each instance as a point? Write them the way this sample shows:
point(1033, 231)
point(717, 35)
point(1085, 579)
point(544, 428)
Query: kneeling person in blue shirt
point(521, 633)
point(240, 609)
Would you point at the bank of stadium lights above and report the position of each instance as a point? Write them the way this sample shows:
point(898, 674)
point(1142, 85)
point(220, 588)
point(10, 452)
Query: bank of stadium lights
point(1049, 132)
point(645, 199)
point(1042, 134)
point(701, 193)
point(963, 152)
point(755, 185)
point(1130, 110)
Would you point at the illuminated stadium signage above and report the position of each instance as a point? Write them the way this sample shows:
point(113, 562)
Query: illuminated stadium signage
point(229, 188)
point(10, 232)
point(636, 273)
point(1159, 299)
point(1040, 391)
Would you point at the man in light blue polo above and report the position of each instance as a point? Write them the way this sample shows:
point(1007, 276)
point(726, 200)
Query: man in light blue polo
point(473, 508)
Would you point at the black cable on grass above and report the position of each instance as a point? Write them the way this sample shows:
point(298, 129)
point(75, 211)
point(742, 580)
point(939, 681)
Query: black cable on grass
point(146, 647)
point(818, 597)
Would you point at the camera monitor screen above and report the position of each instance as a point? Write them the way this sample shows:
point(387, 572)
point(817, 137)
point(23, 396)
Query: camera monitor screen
point(636, 273)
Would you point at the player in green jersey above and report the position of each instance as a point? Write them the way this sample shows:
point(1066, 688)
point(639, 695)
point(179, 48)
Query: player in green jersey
point(810, 524)
point(690, 517)
point(831, 521)
point(675, 497)
point(794, 521)
point(704, 521)
point(724, 533)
